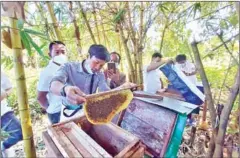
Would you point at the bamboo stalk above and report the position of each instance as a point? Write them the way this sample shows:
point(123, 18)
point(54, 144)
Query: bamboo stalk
point(77, 32)
point(21, 90)
point(208, 94)
point(95, 20)
point(87, 22)
point(128, 55)
point(54, 20)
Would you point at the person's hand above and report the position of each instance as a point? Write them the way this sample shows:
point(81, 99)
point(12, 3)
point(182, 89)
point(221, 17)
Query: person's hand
point(170, 61)
point(162, 90)
point(74, 95)
point(128, 85)
point(113, 76)
point(187, 74)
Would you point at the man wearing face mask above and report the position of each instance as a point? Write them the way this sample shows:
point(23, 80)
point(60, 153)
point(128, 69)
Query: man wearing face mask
point(187, 68)
point(52, 103)
point(115, 79)
point(76, 79)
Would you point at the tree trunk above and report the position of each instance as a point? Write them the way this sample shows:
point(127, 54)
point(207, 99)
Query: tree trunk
point(130, 65)
point(120, 52)
point(25, 118)
point(106, 43)
point(44, 17)
point(54, 20)
point(95, 20)
point(237, 4)
point(225, 117)
point(163, 34)
point(140, 47)
point(208, 94)
point(77, 33)
point(87, 23)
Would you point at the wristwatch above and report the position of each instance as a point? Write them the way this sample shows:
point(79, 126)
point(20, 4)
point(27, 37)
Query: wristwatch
point(62, 92)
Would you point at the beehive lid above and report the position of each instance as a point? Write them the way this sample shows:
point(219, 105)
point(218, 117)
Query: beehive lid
point(171, 104)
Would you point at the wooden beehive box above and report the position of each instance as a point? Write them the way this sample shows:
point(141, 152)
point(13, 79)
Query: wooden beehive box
point(159, 124)
point(80, 138)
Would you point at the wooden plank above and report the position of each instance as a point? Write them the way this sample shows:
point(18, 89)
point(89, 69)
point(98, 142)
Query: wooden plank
point(111, 137)
point(84, 142)
point(139, 153)
point(52, 150)
point(171, 95)
point(87, 138)
point(78, 145)
point(168, 137)
point(120, 118)
point(127, 148)
point(146, 152)
point(63, 143)
point(79, 118)
point(146, 95)
point(132, 150)
point(121, 132)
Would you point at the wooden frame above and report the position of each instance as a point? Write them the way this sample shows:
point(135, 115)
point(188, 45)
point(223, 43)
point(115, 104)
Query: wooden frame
point(79, 138)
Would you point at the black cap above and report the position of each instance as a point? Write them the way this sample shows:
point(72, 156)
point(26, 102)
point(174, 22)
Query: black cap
point(99, 51)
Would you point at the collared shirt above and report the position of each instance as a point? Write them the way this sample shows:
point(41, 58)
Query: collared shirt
point(45, 78)
point(72, 73)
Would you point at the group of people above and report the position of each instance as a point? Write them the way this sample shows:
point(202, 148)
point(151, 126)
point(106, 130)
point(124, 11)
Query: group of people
point(152, 75)
point(64, 83)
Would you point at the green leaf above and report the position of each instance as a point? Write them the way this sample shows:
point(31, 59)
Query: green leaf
point(36, 33)
point(197, 7)
point(20, 24)
point(119, 16)
point(43, 45)
point(37, 48)
point(26, 42)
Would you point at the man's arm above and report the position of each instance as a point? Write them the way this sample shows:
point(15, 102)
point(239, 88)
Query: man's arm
point(57, 85)
point(42, 99)
point(154, 66)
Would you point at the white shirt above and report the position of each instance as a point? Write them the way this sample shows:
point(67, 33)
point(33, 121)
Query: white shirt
point(55, 102)
point(188, 67)
point(151, 80)
point(5, 84)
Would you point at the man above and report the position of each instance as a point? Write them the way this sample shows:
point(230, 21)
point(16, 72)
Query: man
point(115, 79)
point(9, 123)
point(74, 80)
point(52, 103)
point(151, 74)
point(187, 68)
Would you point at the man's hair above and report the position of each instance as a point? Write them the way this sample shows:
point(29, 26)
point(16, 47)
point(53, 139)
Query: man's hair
point(156, 54)
point(54, 42)
point(119, 57)
point(181, 57)
point(99, 51)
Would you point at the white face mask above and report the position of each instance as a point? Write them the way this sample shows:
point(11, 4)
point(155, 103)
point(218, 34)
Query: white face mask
point(60, 59)
point(183, 65)
point(87, 66)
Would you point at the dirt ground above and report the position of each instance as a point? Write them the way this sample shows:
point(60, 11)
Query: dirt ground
point(39, 125)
